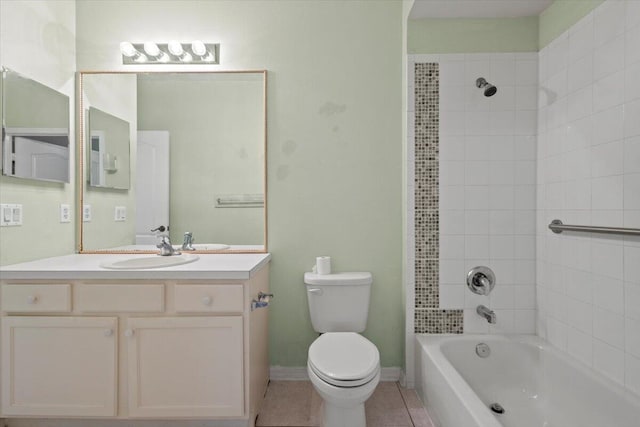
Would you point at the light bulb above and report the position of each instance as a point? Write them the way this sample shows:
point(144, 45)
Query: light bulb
point(198, 48)
point(151, 49)
point(175, 48)
point(128, 50)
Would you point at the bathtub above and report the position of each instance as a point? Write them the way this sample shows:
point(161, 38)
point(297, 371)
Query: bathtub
point(535, 384)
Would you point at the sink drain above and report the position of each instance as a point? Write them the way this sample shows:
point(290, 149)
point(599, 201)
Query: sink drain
point(497, 408)
point(483, 350)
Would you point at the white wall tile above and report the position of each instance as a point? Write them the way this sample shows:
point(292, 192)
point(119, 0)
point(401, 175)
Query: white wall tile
point(606, 259)
point(632, 82)
point(608, 91)
point(632, 14)
point(579, 134)
point(476, 173)
point(580, 345)
point(609, 327)
point(608, 125)
point(494, 158)
point(609, 58)
point(607, 193)
point(452, 73)
point(451, 148)
point(632, 41)
point(632, 264)
point(580, 73)
point(452, 222)
point(632, 372)
point(478, 148)
point(608, 294)
point(632, 337)
point(608, 360)
point(607, 21)
point(581, 38)
point(476, 222)
point(594, 106)
point(607, 159)
point(632, 191)
point(632, 119)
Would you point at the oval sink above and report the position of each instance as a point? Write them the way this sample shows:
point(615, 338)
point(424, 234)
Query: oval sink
point(154, 261)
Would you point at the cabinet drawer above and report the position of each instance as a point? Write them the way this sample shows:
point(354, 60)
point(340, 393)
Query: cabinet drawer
point(108, 298)
point(208, 298)
point(36, 298)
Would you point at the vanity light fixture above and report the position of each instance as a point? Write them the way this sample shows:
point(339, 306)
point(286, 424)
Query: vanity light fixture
point(131, 53)
point(174, 52)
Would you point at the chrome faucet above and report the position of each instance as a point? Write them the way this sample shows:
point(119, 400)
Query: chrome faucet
point(187, 244)
point(166, 249)
point(488, 314)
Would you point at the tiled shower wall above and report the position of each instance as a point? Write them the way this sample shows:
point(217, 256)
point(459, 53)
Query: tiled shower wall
point(484, 209)
point(589, 173)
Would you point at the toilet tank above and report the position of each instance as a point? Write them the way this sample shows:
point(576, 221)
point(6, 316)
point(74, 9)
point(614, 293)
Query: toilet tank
point(338, 302)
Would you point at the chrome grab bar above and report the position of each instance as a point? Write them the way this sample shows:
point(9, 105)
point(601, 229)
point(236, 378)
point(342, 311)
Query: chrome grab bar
point(558, 227)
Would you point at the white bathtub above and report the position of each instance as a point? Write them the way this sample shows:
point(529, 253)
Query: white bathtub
point(537, 385)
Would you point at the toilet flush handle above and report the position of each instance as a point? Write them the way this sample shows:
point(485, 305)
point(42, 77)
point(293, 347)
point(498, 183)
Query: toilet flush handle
point(315, 291)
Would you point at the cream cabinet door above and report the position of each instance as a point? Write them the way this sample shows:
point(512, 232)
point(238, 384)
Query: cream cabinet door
point(59, 366)
point(185, 367)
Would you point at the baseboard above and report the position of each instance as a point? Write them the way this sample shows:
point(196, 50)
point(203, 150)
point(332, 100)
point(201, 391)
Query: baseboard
point(295, 373)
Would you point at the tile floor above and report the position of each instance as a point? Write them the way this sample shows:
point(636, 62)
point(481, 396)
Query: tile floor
point(296, 404)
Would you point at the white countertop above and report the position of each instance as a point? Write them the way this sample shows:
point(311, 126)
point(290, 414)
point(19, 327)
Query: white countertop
point(85, 266)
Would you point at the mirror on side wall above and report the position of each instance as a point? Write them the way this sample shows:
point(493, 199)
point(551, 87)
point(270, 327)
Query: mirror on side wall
point(35, 130)
point(179, 151)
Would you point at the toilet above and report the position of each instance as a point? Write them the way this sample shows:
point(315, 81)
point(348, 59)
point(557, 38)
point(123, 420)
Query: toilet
point(343, 366)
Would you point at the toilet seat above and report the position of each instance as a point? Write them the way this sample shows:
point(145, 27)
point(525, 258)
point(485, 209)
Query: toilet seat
point(344, 359)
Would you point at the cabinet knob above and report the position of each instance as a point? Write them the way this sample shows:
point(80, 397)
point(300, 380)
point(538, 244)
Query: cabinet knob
point(108, 332)
point(128, 333)
point(32, 299)
point(207, 300)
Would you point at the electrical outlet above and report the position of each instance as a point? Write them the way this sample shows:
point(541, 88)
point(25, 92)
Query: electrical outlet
point(120, 213)
point(65, 213)
point(86, 213)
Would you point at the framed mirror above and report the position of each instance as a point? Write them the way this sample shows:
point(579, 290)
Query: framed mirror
point(35, 130)
point(169, 153)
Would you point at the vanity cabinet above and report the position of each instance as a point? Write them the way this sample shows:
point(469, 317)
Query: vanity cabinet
point(185, 367)
point(59, 366)
point(127, 349)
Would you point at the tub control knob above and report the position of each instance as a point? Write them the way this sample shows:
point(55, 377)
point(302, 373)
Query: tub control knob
point(481, 280)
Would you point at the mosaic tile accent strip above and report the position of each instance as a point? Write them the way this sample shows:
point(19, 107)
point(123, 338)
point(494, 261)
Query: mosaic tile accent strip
point(438, 321)
point(428, 317)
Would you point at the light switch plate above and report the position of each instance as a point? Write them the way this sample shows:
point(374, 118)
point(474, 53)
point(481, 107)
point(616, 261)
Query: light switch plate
point(10, 215)
point(65, 213)
point(120, 213)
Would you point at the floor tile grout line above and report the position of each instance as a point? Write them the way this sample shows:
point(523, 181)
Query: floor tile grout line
point(405, 404)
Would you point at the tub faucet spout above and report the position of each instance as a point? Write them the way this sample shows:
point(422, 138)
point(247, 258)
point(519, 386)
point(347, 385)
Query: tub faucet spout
point(488, 314)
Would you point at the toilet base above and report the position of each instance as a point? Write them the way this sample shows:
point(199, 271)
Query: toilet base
point(336, 416)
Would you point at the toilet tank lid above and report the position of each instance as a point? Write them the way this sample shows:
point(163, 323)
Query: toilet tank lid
point(351, 278)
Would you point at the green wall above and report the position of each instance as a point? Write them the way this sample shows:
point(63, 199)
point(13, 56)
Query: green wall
point(46, 30)
point(467, 35)
point(479, 35)
point(561, 15)
point(334, 150)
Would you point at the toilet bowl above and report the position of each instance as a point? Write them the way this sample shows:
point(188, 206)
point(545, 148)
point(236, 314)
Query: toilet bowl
point(344, 368)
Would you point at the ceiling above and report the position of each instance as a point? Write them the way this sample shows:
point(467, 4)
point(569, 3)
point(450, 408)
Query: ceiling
point(477, 8)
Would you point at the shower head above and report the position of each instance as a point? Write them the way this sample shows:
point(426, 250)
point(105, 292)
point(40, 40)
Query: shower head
point(489, 89)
